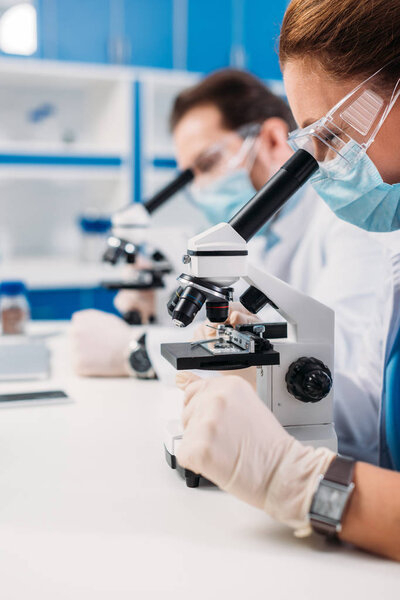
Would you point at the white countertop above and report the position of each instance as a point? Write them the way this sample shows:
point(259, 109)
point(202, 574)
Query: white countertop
point(90, 510)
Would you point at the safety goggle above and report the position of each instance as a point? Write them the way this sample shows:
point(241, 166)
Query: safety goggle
point(351, 126)
point(224, 157)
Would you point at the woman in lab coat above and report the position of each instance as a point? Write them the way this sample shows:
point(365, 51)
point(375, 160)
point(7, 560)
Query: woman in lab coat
point(306, 245)
point(341, 67)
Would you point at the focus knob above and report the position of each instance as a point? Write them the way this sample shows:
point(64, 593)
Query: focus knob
point(308, 379)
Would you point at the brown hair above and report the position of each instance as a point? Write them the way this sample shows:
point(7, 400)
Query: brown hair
point(351, 39)
point(240, 97)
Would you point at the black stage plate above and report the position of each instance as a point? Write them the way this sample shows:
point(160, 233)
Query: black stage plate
point(131, 285)
point(185, 356)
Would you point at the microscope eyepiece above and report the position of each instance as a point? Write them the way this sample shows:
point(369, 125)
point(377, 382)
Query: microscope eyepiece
point(172, 188)
point(267, 201)
point(189, 303)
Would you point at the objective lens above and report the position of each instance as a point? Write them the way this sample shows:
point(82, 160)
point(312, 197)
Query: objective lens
point(111, 255)
point(217, 312)
point(119, 248)
point(173, 301)
point(190, 302)
point(133, 317)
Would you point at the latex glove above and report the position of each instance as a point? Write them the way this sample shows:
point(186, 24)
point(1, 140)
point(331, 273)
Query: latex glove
point(144, 301)
point(100, 344)
point(232, 439)
point(238, 315)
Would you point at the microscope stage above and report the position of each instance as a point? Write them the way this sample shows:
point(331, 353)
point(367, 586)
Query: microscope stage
point(142, 279)
point(187, 356)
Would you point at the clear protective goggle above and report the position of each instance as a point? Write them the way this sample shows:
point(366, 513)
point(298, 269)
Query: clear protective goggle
point(224, 157)
point(350, 127)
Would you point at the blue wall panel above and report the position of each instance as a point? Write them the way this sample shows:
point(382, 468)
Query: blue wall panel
point(209, 34)
point(148, 27)
point(262, 20)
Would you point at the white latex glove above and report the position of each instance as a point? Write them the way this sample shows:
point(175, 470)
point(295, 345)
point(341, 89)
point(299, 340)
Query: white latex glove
point(100, 343)
point(238, 315)
point(144, 301)
point(232, 439)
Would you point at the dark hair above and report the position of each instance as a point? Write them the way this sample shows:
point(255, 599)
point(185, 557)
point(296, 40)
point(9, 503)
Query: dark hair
point(350, 39)
point(240, 97)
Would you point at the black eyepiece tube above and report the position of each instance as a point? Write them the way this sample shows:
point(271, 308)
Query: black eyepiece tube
point(290, 177)
point(169, 190)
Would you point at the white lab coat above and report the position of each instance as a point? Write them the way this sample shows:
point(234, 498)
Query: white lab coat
point(366, 384)
point(339, 265)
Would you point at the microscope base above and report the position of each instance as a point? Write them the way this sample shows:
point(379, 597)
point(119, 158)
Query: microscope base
point(309, 435)
point(316, 436)
point(192, 480)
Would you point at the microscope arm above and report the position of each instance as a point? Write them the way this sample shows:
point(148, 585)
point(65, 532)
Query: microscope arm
point(307, 318)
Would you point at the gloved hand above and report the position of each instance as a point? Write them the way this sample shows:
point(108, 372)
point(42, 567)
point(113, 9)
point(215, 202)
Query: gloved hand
point(143, 301)
point(238, 315)
point(233, 440)
point(100, 343)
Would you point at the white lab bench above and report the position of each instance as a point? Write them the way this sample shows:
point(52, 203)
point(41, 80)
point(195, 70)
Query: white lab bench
point(90, 510)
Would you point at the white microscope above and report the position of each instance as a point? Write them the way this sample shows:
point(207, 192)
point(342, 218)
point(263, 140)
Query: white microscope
point(130, 235)
point(294, 374)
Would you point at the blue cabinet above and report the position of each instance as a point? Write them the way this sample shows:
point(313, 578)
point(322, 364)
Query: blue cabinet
point(87, 30)
point(262, 21)
point(200, 32)
point(83, 30)
point(209, 35)
point(55, 304)
point(74, 30)
point(148, 29)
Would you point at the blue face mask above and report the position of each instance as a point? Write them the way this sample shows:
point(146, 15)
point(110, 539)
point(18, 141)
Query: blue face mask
point(222, 198)
point(359, 196)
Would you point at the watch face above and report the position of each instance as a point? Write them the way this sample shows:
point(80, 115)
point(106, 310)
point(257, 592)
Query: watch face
point(329, 501)
point(140, 361)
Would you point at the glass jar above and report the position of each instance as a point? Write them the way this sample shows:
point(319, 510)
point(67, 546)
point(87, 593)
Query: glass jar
point(14, 308)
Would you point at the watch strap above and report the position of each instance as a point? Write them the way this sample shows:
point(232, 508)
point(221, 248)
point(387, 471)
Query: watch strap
point(322, 528)
point(340, 472)
point(136, 346)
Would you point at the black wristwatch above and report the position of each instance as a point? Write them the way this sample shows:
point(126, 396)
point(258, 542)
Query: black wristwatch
point(139, 363)
point(332, 496)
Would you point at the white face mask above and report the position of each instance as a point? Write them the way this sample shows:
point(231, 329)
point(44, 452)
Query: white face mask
point(359, 195)
point(348, 181)
point(225, 186)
